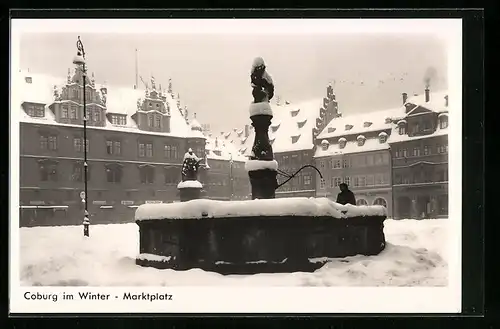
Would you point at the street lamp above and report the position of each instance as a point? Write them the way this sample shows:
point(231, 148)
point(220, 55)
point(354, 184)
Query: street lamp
point(79, 60)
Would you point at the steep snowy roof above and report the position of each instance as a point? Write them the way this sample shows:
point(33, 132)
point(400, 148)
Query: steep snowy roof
point(370, 144)
point(436, 103)
point(291, 126)
point(119, 100)
point(337, 127)
point(220, 149)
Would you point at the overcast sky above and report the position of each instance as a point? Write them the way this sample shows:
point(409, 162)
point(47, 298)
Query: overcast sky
point(211, 72)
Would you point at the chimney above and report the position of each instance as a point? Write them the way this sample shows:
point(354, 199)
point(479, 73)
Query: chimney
point(446, 100)
point(405, 98)
point(247, 131)
point(427, 96)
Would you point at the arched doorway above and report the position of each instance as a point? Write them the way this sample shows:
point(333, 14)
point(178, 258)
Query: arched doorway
point(380, 202)
point(361, 202)
point(403, 207)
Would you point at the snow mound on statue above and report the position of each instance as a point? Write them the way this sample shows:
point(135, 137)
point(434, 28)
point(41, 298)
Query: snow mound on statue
point(253, 165)
point(203, 208)
point(189, 184)
point(415, 255)
point(262, 108)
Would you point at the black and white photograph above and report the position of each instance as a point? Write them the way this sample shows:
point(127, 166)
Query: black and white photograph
point(271, 157)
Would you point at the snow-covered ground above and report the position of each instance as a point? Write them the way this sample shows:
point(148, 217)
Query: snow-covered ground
point(415, 255)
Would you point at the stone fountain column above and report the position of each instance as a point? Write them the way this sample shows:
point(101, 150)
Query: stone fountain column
point(261, 167)
point(190, 188)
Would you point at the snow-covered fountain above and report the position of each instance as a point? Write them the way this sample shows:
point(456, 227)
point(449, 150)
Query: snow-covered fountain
point(259, 235)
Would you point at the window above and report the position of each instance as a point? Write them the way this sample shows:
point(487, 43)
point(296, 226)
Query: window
point(370, 181)
point(416, 151)
point(73, 113)
point(427, 150)
point(355, 181)
point(48, 171)
point(380, 202)
point(48, 142)
point(379, 179)
point(114, 173)
point(427, 125)
point(362, 181)
point(78, 172)
point(404, 153)
point(157, 121)
point(416, 128)
point(443, 123)
point(361, 202)
point(77, 144)
point(346, 163)
point(397, 153)
point(322, 164)
point(142, 150)
point(149, 150)
point(378, 159)
point(113, 147)
point(122, 120)
point(97, 115)
point(147, 174)
point(166, 149)
point(295, 139)
point(369, 160)
point(307, 179)
point(338, 180)
point(347, 180)
point(336, 164)
point(385, 158)
point(332, 182)
point(174, 153)
point(150, 121)
point(64, 112)
point(402, 130)
point(442, 148)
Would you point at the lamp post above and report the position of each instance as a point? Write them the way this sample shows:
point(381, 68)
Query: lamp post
point(79, 60)
point(231, 176)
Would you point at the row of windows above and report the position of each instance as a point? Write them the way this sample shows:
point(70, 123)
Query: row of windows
point(357, 181)
point(286, 160)
point(376, 202)
point(155, 121)
point(304, 179)
point(113, 173)
point(74, 113)
point(118, 119)
point(356, 161)
point(113, 147)
point(422, 177)
point(35, 111)
point(416, 128)
point(418, 151)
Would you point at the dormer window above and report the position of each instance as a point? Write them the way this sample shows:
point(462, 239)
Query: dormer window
point(382, 137)
point(37, 111)
point(217, 152)
point(301, 123)
point(367, 124)
point(28, 79)
point(242, 151)
point(243, 140)
point(361, 140)
point(325, 144)
point(275, 128)
point(348, 127)
point(388, 120)
point(342, 142)
point(150, 104)
point(331, 129)
point(295, 139)
point(443, 121)
point(294, 113)
point(402, 127)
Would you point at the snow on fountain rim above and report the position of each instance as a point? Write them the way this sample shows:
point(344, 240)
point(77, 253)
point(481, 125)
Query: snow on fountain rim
point(189, 184)
point(262, 108)
point(253, 165)
point(298, 206)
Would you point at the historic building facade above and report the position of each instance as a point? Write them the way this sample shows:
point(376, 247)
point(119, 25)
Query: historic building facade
point(135, 144)
point(355, 150)
point(419, 150)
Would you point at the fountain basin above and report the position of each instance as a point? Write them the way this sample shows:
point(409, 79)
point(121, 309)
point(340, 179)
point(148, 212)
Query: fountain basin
point(256, 236)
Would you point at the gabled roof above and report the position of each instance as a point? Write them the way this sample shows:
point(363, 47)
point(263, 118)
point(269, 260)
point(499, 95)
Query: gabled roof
point(436, 103)
point(119, 100)
point(218, 148)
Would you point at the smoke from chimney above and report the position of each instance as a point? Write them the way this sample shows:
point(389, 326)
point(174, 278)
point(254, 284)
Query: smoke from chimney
point(429, 76)
point(405, 98)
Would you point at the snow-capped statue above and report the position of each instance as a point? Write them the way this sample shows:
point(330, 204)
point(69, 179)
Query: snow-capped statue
point(190, 166)
point(262, 83)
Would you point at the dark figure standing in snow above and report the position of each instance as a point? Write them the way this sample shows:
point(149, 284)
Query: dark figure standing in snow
point(345, 196)
point(262, 83)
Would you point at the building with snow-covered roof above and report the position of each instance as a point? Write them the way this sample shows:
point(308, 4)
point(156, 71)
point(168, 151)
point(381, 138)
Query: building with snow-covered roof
point(419, 151)
point(227, 178)
point(135, 143)
point(354, 149)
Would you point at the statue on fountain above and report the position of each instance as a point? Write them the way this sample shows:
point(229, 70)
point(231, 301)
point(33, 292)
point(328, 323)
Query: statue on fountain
point(190, 166)
point(261, 167)
point(189, 187)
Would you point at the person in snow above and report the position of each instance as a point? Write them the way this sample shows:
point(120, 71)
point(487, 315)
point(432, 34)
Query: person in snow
point(345, 196)
point(262, 83)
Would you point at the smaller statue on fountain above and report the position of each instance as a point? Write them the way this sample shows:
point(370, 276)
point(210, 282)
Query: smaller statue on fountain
point(262, 83)
point(190, 166)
